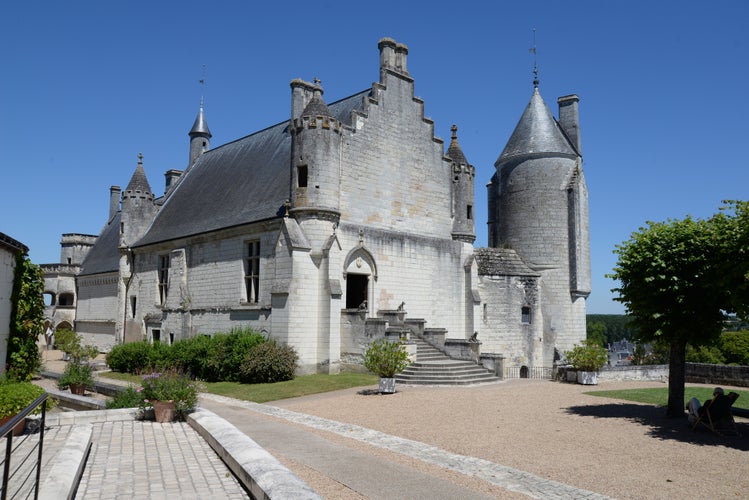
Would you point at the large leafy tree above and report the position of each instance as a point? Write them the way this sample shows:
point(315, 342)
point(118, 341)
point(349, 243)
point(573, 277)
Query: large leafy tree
point(731, 230)
point(670, 284)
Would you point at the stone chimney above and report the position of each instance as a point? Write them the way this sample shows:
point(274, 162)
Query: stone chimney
point(569, 119)
point(393, 55)
point(171, 177)
point(114, 200)
point(301, 94)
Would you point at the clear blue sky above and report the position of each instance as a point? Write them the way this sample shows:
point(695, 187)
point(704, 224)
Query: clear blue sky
point(87, 85)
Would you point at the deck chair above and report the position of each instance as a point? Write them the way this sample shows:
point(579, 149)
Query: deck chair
point(716, 414)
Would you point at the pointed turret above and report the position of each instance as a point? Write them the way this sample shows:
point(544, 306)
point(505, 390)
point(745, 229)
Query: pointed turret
point(200, 136)
point(138, 206)
point(536, 134)
point(315, 141)
point(463, 176)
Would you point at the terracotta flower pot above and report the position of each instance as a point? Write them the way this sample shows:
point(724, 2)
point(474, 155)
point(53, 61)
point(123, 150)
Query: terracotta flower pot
point(78, 389)
point(163, 411)
point(18, 429)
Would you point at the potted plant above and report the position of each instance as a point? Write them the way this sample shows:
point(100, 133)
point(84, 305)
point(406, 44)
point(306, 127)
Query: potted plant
point(78, 377)
point(386, 359)
point(170, 394)
point(588, 359)
point(14, 397)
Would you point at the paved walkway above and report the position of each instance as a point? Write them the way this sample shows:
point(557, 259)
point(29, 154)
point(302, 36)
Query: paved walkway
point(368, 475)
point(137, 459)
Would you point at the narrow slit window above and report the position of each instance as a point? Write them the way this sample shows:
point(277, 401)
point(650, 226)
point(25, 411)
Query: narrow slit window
point(252, 272)
point(301, 171)
point(163, 278)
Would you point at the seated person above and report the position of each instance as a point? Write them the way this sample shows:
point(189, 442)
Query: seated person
point(719, 406)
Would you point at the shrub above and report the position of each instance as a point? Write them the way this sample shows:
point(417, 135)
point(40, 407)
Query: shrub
point(76, 374)
point(704, 354)
point(735, 347)
point(268, 362)
point(385, 358)
point(170, 386)
point(15, 396)
point(587, 357)
point(132, 357)
point(129, 398)
point(227, 353)
point(191, 356)
point(69, 342)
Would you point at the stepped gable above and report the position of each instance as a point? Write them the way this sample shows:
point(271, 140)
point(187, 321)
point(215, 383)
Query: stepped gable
point(536, 134)
point(104, 256)
point(241, 182)
point(501, 262)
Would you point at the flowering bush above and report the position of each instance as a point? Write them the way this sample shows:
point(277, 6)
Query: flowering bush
point(170, 386)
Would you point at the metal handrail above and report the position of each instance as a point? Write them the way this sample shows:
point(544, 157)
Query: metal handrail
point(6, 431)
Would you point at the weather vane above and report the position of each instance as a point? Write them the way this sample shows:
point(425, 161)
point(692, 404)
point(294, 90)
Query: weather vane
point(202, 87)
point(535, 62)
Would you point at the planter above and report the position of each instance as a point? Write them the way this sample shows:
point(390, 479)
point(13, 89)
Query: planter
point(163, 411)
point(78, 389)
point(387, 385)
point(18, 429)
point(587, 378)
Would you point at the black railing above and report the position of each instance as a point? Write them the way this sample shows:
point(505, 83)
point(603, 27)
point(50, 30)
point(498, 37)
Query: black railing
point(537, 372)
point(16, 478)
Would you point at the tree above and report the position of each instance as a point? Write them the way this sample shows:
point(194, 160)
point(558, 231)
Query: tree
point(669, 284)
point(731, 230)
point(26, 320)
point(596, 333)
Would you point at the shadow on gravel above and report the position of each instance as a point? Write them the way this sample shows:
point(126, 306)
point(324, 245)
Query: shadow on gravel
point(662, 427)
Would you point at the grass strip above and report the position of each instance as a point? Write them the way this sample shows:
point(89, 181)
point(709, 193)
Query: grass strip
point(659, 395)
point(262, 393)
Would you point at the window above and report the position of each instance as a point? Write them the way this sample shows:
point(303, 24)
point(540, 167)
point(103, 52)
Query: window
point(469, 212)
point(525, 314)
point(65, 299)
point(163, 278)
point(356, 291)
point(252, 272)
point(156, 335)
point(301, 172)
point(133, 303)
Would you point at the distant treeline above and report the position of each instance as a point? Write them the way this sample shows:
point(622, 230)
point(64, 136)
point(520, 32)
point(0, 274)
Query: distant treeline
point(613, 327)
point(609, 328)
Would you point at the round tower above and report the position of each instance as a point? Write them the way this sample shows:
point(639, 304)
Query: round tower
point(540, 211)
point(200, 136)
point(462, 182)
point(315, 147)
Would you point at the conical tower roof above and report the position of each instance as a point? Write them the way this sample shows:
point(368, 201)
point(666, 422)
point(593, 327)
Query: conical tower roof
point(200, 127)
point(316, 106)
point(453, 151)
point(537, 133)
point(139, 181)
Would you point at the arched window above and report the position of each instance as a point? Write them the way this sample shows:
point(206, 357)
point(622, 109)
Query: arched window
point(49, 298)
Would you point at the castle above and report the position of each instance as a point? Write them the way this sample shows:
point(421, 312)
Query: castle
point(346, 222)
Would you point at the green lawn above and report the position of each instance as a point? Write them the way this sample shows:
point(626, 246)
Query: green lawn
point(659, 395)
point(262, 393)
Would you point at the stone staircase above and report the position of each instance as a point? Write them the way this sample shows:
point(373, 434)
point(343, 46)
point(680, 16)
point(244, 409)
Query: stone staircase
point(433, 367)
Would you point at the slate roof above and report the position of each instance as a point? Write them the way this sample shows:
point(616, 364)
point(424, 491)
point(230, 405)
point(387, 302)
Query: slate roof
point(139, 181)
point(13, 245)
point(104, 256)
point(200, 127)
point(238, 183)
point(501, 262)
point(536, 133)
